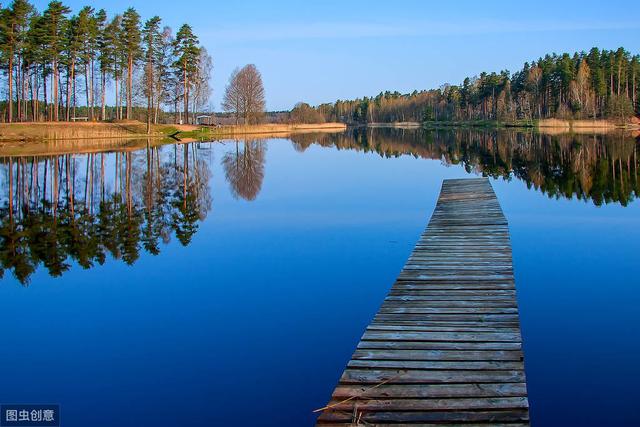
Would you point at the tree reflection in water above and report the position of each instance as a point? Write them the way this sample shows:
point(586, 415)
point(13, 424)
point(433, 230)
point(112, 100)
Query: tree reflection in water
point(244, 169)
point(601, 168)
point(82, 207)
point(57, 210)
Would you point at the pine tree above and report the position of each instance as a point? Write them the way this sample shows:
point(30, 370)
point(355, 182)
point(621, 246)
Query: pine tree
point(186, 52)
point(152, 39)
point(111, 57)
point(103, 57)
point(55, 18)
point(131, 39)
point(72, 46)
point(13, 32)
point(87, 31)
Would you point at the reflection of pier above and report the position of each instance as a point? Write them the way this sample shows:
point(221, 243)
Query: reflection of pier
point(445, 346)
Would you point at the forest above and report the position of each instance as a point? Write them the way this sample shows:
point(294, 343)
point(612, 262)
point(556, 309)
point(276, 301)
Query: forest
point(599, 84)
point(59, 66)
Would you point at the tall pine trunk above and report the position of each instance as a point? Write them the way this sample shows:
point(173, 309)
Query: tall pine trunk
point(87, 95)
point(34, 94)
point(149, 96)
point(44, 89)
point(633, 90)
point(186, 94)
point(115, 77)
point(56, 95)
point(10, 73)
point(129, 86)
point(102, 96)
point(18, 90)
point(92, 89)
point(70, 86)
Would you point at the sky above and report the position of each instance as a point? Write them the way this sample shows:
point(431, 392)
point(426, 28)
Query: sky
point(322, 51)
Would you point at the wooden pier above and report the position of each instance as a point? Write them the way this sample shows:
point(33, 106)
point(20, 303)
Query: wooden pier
point(445, 346)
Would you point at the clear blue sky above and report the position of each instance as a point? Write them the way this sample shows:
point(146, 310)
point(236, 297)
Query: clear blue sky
point(322, 51)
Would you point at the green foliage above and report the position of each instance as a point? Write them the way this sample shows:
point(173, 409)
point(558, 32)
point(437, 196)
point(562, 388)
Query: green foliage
point(131, 34)
point(619, 108)
point(110, 45)
point(152, 45)
point(55, 23)
point(186, 50)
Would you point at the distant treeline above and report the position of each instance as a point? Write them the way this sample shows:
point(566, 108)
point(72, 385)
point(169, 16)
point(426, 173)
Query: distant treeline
point(54, 62)
point(594, 85)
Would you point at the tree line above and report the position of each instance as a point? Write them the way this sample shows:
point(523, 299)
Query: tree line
point(56, 64)
point(584, 85)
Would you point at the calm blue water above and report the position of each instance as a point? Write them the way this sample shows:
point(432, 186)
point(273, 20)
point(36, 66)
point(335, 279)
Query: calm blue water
point(252, 322)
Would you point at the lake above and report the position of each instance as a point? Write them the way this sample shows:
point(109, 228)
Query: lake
point(227, 283)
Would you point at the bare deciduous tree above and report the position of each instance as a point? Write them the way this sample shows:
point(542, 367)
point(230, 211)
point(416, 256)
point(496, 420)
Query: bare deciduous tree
point(244, 95)
point(232, 100)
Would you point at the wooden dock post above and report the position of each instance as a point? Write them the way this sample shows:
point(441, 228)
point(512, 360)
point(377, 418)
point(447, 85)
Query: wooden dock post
point(445, 346)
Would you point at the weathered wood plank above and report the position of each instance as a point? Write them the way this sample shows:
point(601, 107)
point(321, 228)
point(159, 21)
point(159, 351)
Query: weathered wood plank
point(413, 417)
point(431, 391)
point(445, 346)
point(438, 355)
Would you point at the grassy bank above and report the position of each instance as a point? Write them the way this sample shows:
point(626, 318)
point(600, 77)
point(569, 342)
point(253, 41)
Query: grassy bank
point(66, 131)
point(257, 131)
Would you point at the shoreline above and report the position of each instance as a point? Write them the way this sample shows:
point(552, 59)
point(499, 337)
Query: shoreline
point(118, 136)
point(39, 132)
point(543, 125)
point(122, 136)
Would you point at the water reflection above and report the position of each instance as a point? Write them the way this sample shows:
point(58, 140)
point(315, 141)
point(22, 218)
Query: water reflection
point(244, 168)
point(602, 168)
point(59, 210)
point(78, 208)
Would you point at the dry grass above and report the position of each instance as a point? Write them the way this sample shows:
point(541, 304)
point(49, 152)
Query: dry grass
point(556, 126)
point(54, 131)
